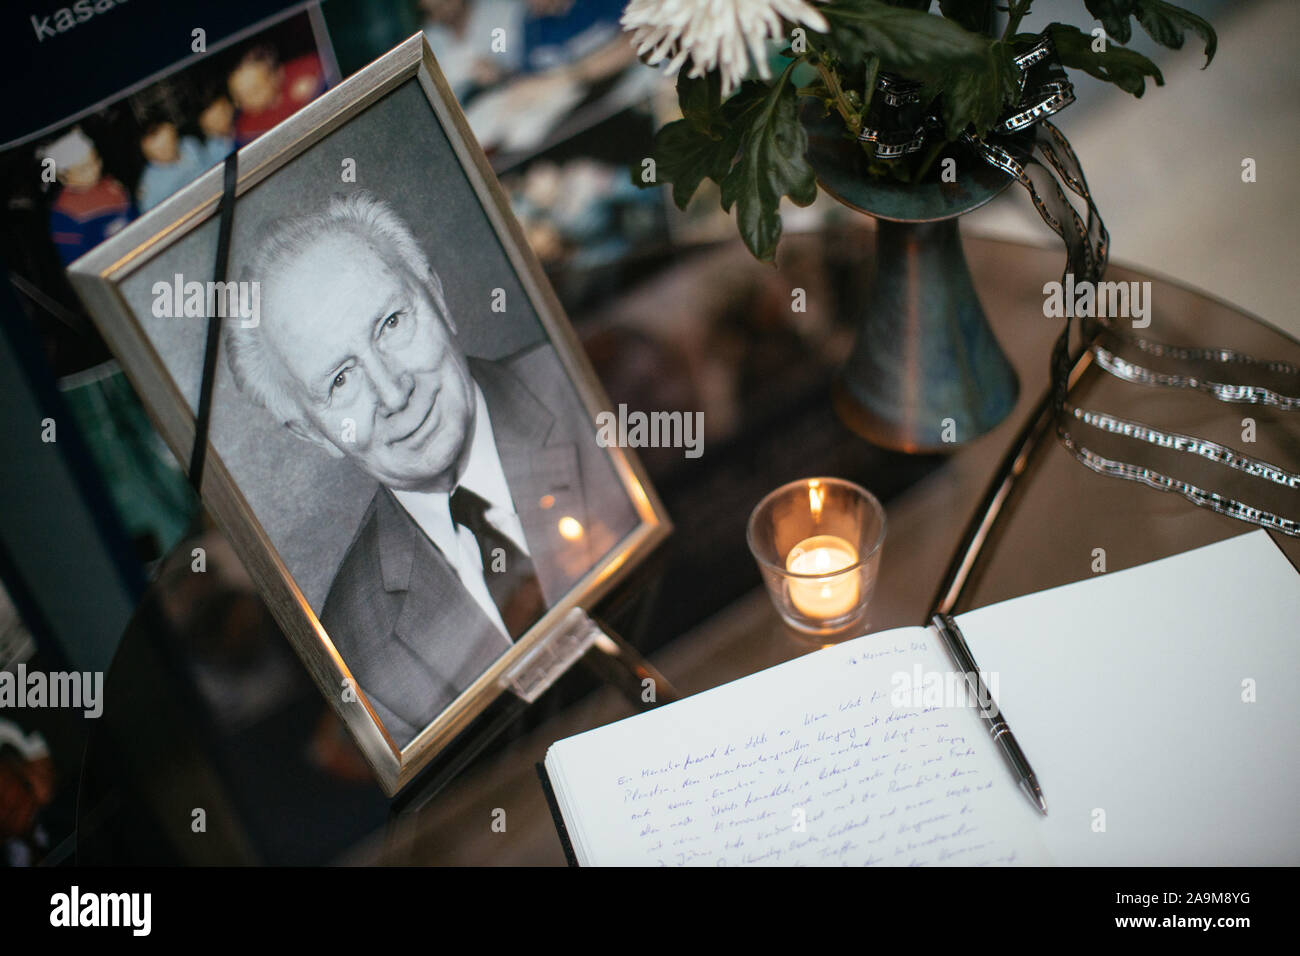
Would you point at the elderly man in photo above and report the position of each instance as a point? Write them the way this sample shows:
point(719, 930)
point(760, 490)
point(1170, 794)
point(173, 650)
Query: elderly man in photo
point(493, 496)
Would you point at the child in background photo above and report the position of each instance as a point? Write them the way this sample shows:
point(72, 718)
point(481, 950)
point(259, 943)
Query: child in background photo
point(171, 161)
point(91, 206)
point(217, 123)
point(267, 92)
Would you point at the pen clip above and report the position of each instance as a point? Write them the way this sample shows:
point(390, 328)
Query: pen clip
point(947, 625)
point(951, 626)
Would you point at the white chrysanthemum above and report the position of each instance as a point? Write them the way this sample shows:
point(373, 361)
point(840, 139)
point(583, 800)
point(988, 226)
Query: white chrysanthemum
point(714, 34)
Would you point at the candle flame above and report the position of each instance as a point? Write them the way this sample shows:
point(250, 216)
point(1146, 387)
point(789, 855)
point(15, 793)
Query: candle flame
point(816, 498)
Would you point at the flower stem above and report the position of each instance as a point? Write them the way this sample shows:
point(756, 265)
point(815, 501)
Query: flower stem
point(873, 67)
point(1015, 14)
point(852, 120)
point(928, 161)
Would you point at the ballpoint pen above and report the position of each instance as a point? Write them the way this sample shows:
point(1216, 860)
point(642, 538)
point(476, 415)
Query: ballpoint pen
point(955, 641)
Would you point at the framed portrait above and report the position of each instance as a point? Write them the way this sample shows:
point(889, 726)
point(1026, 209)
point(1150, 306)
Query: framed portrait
point(403, 446)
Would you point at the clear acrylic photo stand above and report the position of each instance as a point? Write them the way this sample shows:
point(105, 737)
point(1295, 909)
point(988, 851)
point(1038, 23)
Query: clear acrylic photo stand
point(578, 639)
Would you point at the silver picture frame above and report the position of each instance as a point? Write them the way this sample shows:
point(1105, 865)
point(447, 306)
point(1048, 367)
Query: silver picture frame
point(98, 278)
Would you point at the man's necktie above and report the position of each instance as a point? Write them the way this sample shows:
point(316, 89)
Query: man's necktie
point(508, 571)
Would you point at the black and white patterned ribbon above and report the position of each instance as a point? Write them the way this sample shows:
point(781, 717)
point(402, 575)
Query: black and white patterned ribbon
point(898, 126)
point(1047, 172)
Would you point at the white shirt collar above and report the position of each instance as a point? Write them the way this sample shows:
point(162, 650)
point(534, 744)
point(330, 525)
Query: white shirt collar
point(483, 472)
point(483, 475)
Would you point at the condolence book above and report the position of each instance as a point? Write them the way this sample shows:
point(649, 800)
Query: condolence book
point(1155, 704)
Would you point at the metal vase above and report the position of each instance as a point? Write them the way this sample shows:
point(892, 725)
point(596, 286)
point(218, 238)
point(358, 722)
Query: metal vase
point(926, 373)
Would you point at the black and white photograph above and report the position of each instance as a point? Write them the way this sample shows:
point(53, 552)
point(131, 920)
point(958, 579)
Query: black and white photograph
point(413, 441)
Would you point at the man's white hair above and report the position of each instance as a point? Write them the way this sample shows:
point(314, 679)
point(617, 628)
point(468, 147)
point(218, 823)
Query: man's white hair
point(360, 215)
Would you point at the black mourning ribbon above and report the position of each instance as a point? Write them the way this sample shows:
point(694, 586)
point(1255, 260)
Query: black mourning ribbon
point(515, 589)
point(203, 417)
point(899, 126)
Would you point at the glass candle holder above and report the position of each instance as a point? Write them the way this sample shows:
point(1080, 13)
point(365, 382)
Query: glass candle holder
point(817, 543)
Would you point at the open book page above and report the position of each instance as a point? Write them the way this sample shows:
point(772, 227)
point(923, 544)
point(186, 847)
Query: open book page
point(1159, 703)
point(810, 762)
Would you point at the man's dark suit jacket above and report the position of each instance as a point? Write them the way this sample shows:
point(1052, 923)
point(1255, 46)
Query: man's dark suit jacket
point(412, 636)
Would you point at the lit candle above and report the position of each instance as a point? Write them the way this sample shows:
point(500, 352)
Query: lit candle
point(827, 597)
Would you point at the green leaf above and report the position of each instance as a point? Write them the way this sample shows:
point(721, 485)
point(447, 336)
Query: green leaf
point(771, 163)
point(685, 157)
point(975, 97)
point(1127, 69)
point(1165, 23)
point(974, 15)
point(700, 146)
point(913, 43)
point(700, 100)
point(1114, 16)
